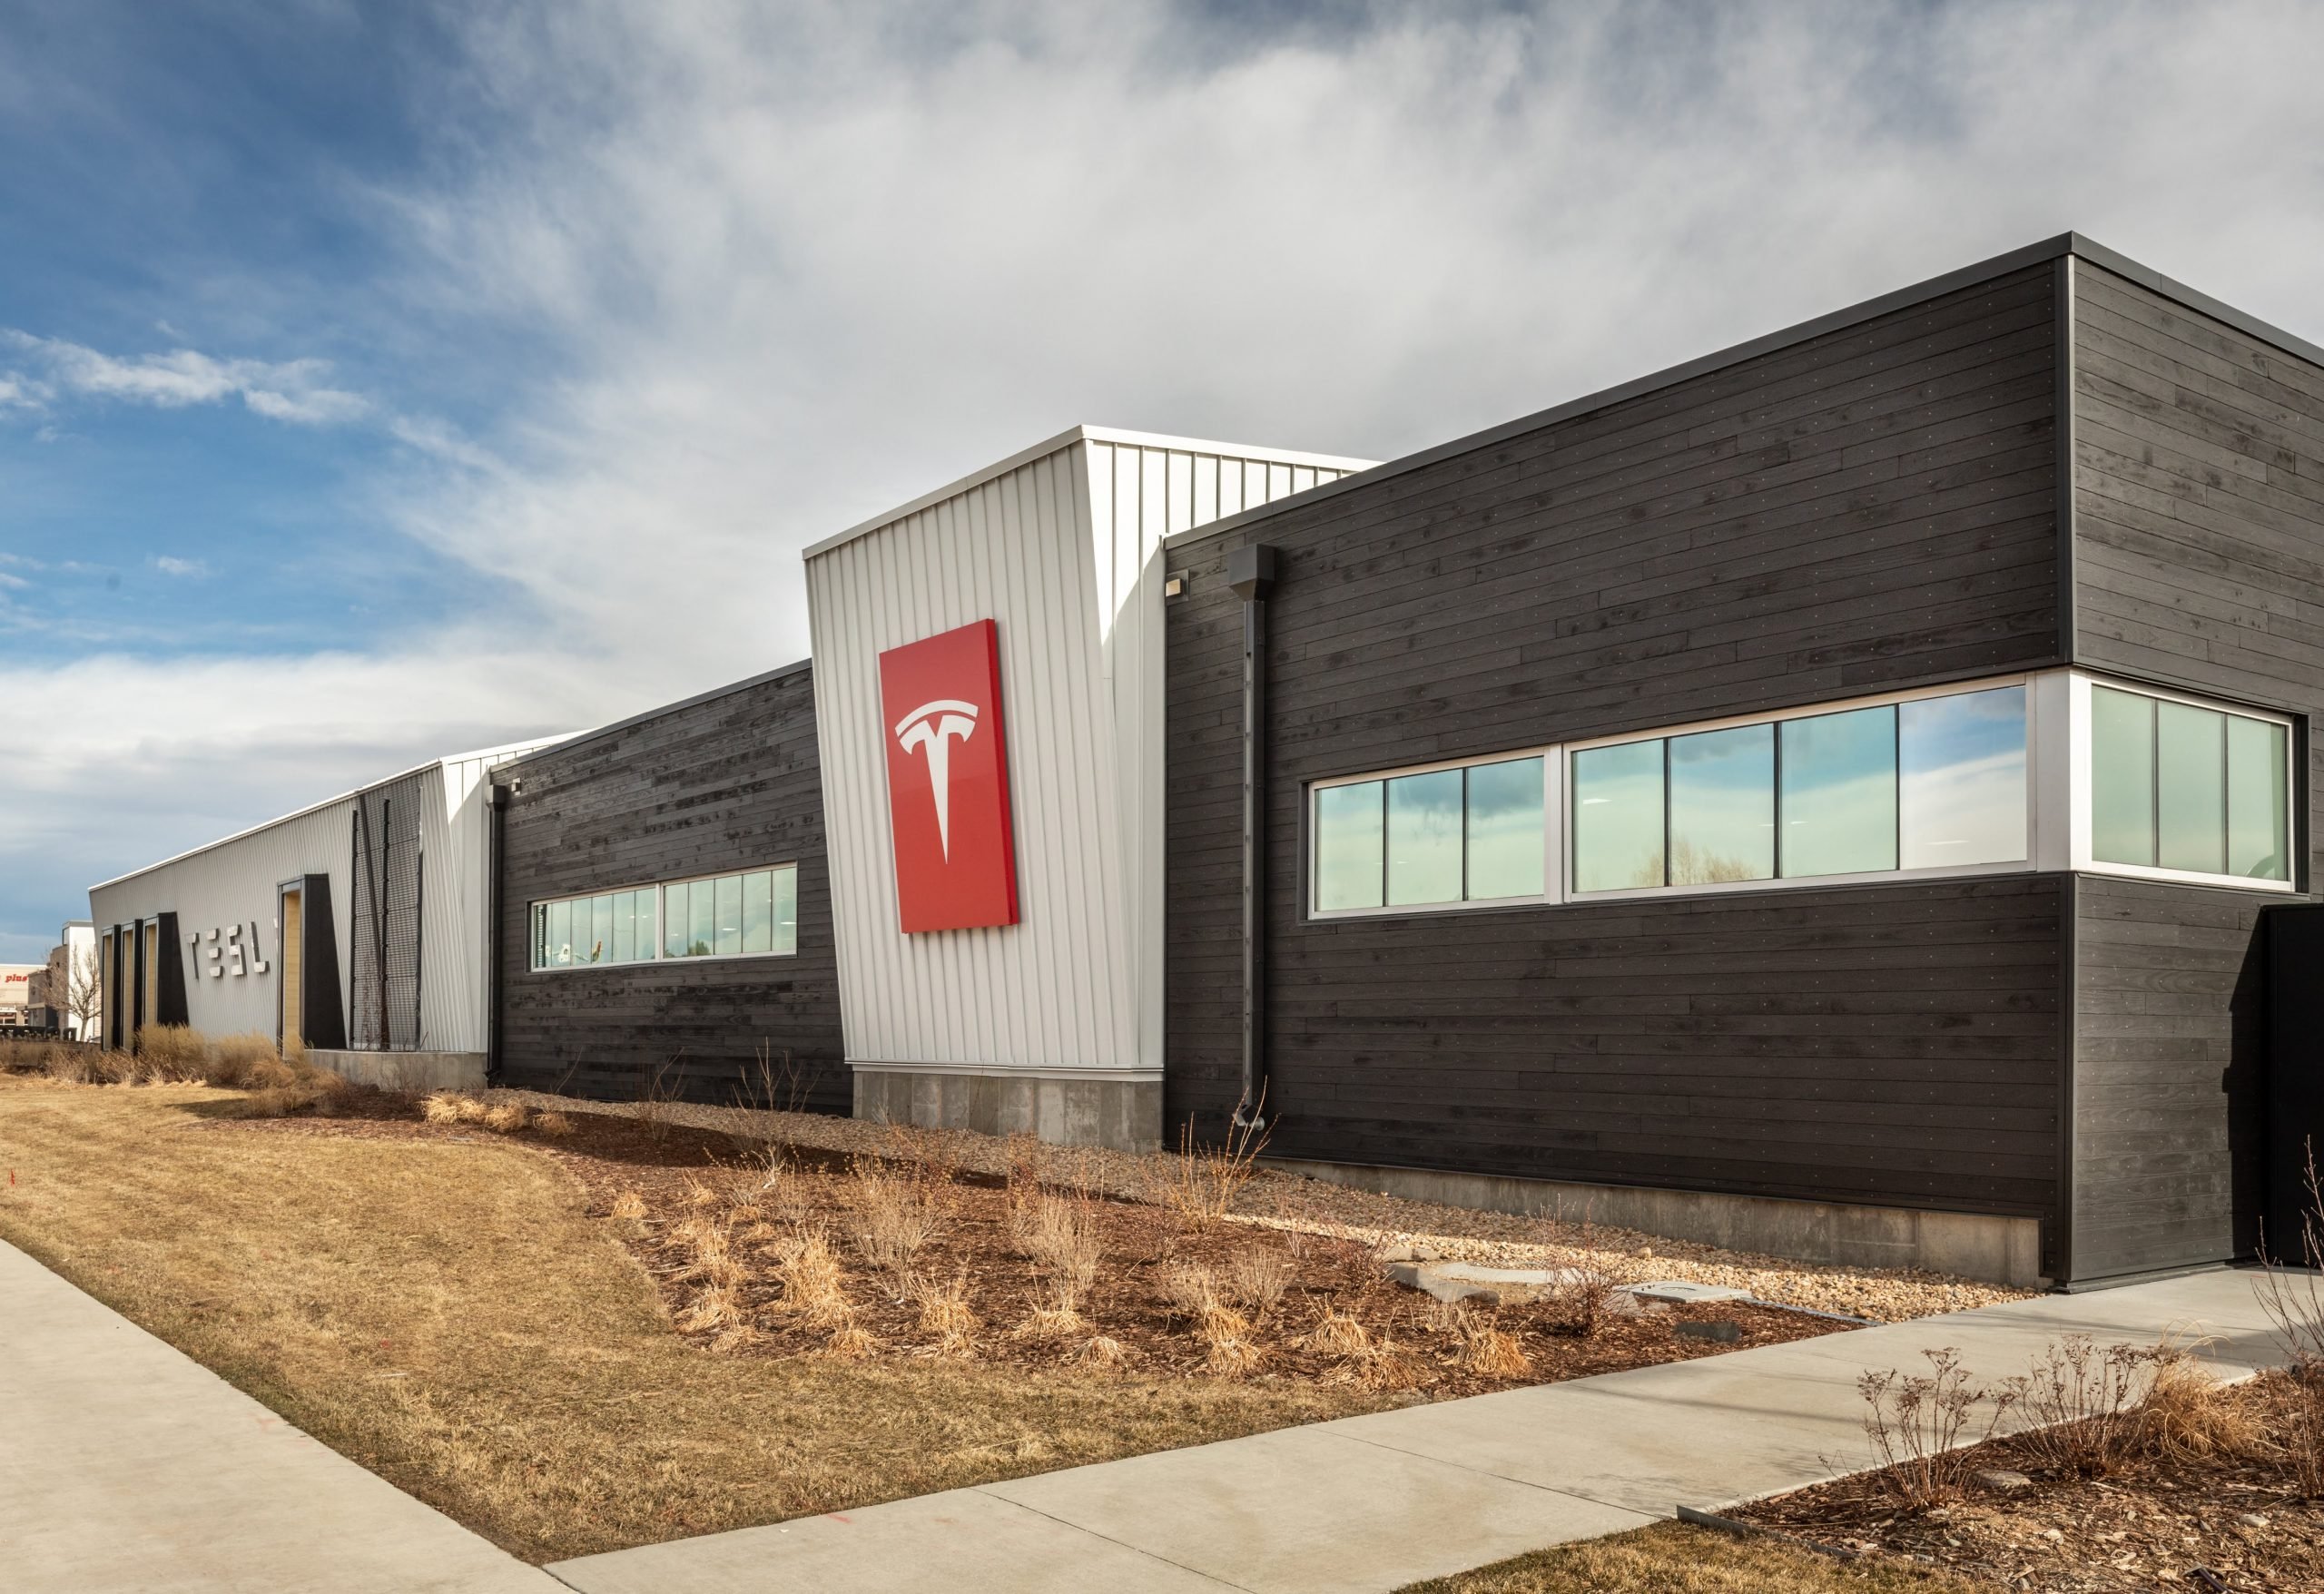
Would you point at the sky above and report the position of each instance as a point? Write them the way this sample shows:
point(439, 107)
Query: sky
point(382, 381)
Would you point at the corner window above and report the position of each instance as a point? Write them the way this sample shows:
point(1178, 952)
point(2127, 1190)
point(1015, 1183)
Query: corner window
point(1433, 838)
point(2183, 788)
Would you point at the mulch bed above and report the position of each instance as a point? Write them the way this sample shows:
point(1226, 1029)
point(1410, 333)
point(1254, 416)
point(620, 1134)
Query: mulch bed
point(681, 1172)
point(2206, 1525)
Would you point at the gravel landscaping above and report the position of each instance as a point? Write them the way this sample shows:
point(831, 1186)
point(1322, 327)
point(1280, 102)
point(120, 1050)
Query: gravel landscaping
point(1295, 1203)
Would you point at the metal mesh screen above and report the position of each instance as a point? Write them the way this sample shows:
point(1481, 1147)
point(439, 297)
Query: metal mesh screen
point(385, 980)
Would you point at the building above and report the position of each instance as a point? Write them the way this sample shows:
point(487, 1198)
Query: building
point(18, 1008)
point(355, 928)
point(1849, 796)
point(74, 986)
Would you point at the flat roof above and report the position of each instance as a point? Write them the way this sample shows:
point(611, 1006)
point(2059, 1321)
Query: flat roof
point(1087, 434)
point(2001, 265)
point(506, 747)
point(583, 737)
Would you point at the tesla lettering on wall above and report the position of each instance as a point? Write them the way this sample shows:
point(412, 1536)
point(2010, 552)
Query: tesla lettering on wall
point(948, 780)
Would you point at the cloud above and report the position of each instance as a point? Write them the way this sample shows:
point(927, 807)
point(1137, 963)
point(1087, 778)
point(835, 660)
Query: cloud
point(170, 564)
point(291, 390)
point(768, 270)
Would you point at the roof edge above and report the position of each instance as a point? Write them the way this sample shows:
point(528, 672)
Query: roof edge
point(2049, 249)
point(317, 807)
point(583, 737)
point(1084, 434)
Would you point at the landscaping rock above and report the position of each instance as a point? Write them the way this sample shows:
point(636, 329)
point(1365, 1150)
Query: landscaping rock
point(1719, 1332)
point(2002, 1480)
point(1681, 1292)
point(1407, 1250)
point(1474, 1281)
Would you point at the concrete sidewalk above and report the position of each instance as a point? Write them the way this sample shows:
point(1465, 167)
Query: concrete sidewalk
point(126, 1466)
point(1374, 1502)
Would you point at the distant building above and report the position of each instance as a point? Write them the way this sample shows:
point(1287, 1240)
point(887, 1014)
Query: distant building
point(16, 994)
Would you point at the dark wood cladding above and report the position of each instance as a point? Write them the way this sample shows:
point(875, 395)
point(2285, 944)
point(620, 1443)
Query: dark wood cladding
point(2199, 504)
point(727, 782)
point(2198, 563)
point(1872, 508)
point(2170, 1075)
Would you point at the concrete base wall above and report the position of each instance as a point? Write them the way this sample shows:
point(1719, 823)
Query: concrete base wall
point(1121, 1115)
point(1997, 1250)
point(406, 1070)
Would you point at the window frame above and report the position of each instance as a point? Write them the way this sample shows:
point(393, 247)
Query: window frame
point(2027, 681)
point(2082, 856)
point(657, 889)
point(1552, 826)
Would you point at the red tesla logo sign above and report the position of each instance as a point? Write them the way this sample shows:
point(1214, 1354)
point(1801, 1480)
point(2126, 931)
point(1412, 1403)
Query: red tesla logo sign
point(948, 780)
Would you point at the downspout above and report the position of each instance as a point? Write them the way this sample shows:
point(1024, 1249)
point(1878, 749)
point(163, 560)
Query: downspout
point(1250, 572)
point(496, 801)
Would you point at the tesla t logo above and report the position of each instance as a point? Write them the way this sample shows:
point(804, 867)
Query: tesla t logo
point(948, 780)
point(928, 726)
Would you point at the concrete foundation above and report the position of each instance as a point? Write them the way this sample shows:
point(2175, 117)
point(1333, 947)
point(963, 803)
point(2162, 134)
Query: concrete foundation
point(1997, 1250)
point(1121, 1115)
point(406, 1070)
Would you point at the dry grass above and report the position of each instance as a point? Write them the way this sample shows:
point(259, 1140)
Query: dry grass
point(1256, 1277)
point(1493, 1352)
point(448, 1314)
point(555, 1124)
point(1675, 1559)
point(1206, 1179)
point(896, 1212)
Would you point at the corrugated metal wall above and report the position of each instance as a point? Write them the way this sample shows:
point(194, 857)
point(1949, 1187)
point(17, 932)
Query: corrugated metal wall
point(232, 883)
point(235, 880)
point(1063, 552)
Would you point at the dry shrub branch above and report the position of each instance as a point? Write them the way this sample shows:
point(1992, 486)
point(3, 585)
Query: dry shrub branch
point(1917, 1423)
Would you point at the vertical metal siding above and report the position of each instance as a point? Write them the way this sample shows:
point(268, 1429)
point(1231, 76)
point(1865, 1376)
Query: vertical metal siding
point(1064, 553)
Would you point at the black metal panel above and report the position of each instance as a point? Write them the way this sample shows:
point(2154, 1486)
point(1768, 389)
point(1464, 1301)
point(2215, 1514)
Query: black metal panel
point(321, 1013)
point(1869, 509)
point(723, 781)
point(383, 963)
point(2295, 1092)
point(170, 995)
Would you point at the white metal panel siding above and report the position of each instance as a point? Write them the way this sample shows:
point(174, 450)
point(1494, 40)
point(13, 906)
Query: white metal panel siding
point(235, 883)
point(456, 901)
point(1063, 553)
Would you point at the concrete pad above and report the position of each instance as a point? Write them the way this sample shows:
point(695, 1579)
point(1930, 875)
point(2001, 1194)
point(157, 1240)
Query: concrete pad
point(1306, 1510)
point(962, 1541)
point(1679, 1291)
point(127, 1466)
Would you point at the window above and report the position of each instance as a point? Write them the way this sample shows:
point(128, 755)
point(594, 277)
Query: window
point(2187, 789)
point(733, 915)
point(726, 915)
point(1435, 838)
point(1934, 783)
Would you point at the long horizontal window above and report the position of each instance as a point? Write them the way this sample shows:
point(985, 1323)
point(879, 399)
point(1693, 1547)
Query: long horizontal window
point(1471, 833)
point(1931, 782)
point(725, 915)
point(2187, 789)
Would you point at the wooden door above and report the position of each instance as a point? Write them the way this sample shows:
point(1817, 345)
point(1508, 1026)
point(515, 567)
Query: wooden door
point(291, 961)
point(149, 1010)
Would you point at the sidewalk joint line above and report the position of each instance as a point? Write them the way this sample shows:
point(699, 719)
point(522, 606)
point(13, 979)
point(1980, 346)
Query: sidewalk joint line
point(987, 1489)
point(1398, 1450)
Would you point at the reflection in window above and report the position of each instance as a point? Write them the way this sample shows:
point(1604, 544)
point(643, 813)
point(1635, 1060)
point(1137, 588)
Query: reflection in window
point(1839, 793)
point(1722, 806)
point(2259, 801)
point(732, 914)
point(2174, 785)
point(1618, 817)
point(1425, 838)
point(1506, 854)
point(1348, 847)
point(1963, 789)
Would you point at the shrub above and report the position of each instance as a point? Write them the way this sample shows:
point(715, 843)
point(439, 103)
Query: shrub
point(944, 1310)
point(1576, 1304)
point(170, 1053)
point(1256, 1277)
point(555, 1124)
point(507, 1118)
point(1915, 1422)
point(1206, 1179)
point(1489, 1351)
point(234, 1058)
point(895, 1216)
